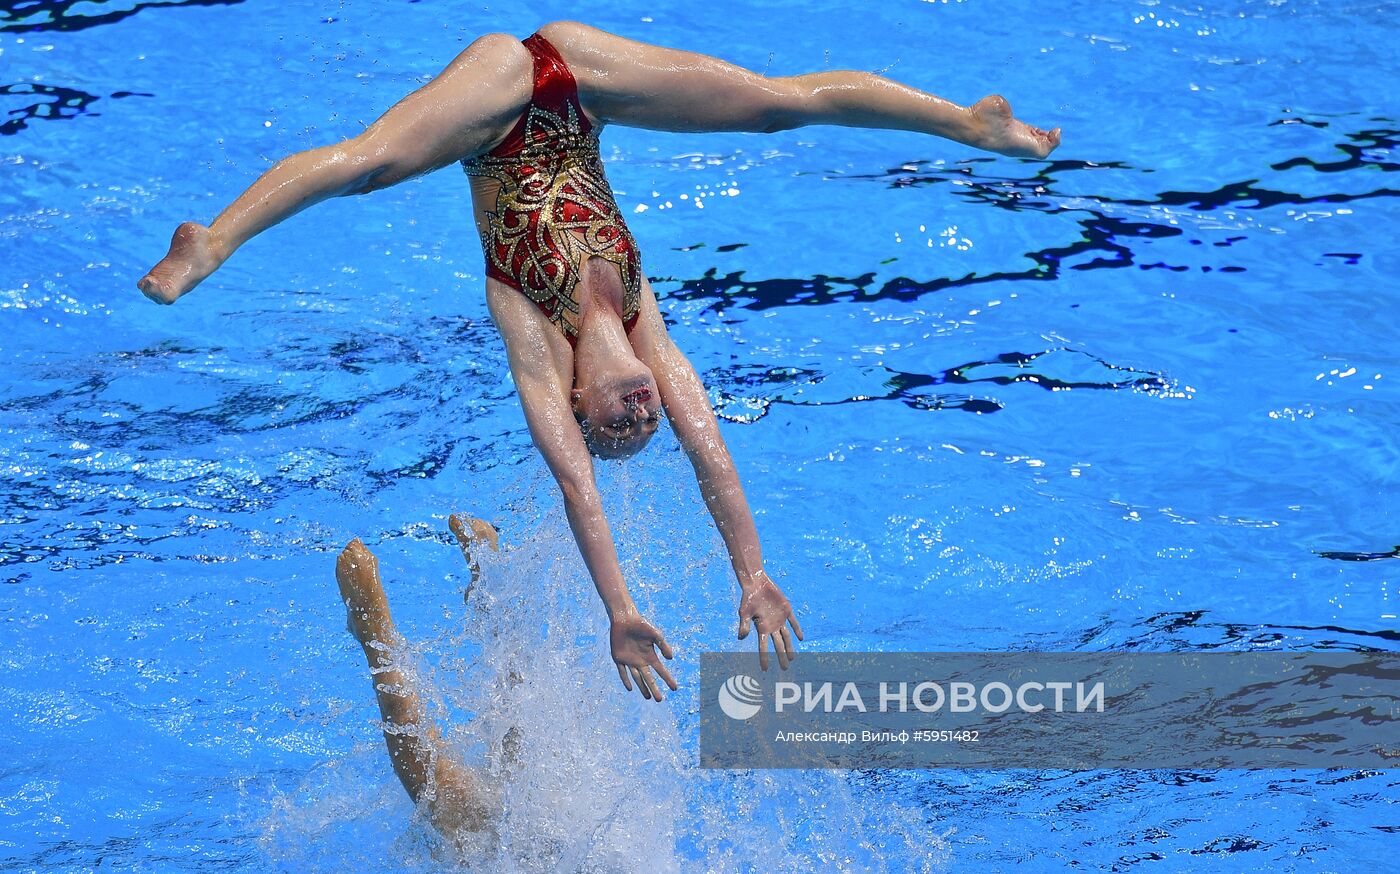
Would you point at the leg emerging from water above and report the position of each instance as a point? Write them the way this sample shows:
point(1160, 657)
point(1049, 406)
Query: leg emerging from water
point(459, 798)
point(471, 533)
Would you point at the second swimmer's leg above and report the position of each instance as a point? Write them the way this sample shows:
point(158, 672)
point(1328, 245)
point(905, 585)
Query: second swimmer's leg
point(461, 800)
point(471, 533)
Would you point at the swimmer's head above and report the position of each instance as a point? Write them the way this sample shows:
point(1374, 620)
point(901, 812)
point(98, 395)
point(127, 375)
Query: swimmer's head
point(615, 397)
point(619, 409)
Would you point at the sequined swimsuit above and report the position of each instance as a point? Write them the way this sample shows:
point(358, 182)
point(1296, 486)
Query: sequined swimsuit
point(554, 209)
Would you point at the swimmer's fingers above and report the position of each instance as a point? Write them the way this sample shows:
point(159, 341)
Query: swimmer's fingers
point(787, 642)
point(641, 680)
point(781, 650)
point(792, 617)
point(660, 668)
point(650, 690)
point(653, 685)
point(665, 649)
point(762, 651)
point(622, 672)
point(648, 683)
point(743, 627)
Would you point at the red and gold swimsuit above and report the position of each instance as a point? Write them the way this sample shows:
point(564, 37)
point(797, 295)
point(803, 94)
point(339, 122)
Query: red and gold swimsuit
point(554, 209)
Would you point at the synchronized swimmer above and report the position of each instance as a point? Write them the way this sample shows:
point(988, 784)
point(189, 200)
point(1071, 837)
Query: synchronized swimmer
point(591, 357)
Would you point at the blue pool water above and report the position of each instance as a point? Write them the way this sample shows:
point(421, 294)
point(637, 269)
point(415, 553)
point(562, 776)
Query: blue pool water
point(1138, 397)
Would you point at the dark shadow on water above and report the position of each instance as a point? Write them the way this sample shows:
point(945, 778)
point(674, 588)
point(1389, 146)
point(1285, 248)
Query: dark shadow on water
point(1195, 629)
point(27, 16)
point(40, 103)
point(748, 392)
point(1105, 241)
point(1361, 556)
point(1356, 151)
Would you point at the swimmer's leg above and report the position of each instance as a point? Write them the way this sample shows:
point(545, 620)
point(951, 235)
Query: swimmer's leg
point(471, 533)
point(461, 112)
point(641, 85)
point(461, 799)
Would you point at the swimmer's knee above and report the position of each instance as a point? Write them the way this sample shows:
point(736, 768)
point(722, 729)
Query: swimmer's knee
point(565, 32)
point(494, 42)
point(786, 105)
point(498, 50)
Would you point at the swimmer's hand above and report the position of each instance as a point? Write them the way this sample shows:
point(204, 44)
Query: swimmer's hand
point(635, 642)
point(193, 255)
point(765, 605)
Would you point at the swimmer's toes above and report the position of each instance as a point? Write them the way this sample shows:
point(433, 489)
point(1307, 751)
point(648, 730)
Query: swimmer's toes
point(366, 609)
point(1006, 135)
point(486, 532)
point(154, 289)
point(193, 256)
point(469, 530)
point(354, 556)
point(470, 533)
point(458, 528)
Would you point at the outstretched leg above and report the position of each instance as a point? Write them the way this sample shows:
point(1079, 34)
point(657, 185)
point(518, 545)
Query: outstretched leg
point(649, 86)
point(465, 109)
point(459, 797)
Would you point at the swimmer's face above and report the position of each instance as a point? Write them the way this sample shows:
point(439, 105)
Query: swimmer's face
point(618, 412)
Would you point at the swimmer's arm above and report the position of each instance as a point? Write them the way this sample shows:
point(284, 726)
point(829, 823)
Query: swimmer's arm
point(461, 112)
point(687, 406)
point(544, 392)
point(555, 432)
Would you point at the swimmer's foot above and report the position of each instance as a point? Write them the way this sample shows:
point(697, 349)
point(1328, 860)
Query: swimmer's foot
point(366, 607)
point(471, 533)
point(1000, 132)
point(193, 255)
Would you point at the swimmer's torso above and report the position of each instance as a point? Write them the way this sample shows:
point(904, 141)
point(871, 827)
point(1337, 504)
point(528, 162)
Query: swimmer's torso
point(543, 205)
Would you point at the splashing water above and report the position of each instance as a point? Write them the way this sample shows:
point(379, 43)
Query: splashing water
point(599, 780)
